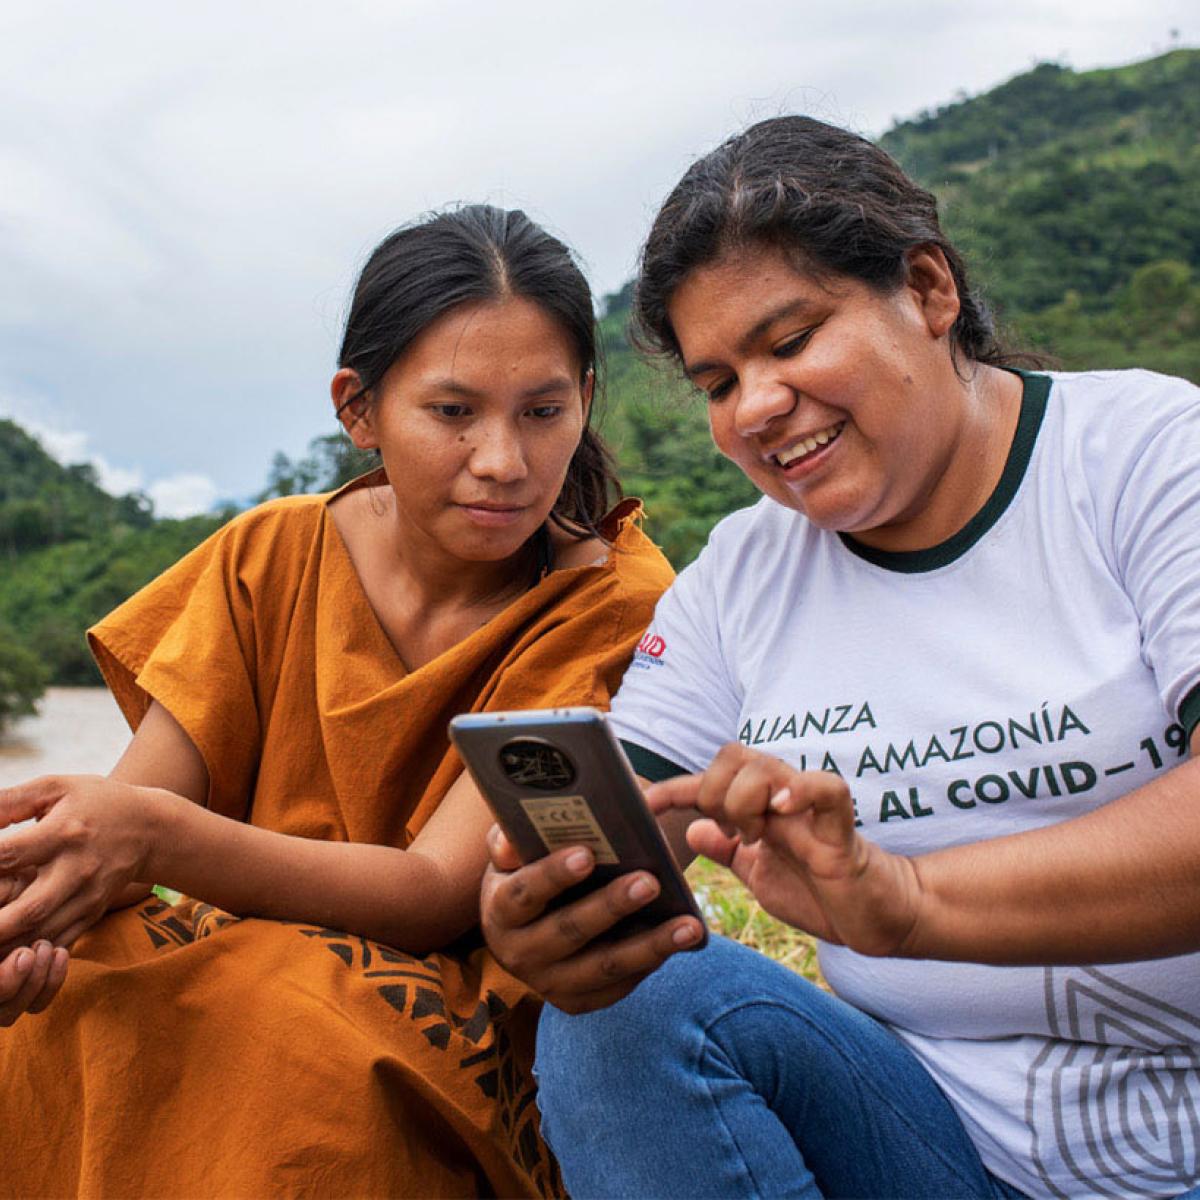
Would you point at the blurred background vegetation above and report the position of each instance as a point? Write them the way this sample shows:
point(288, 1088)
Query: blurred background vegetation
point(1075, 197)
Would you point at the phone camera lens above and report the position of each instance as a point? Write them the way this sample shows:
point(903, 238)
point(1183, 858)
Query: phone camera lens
point(531, 762)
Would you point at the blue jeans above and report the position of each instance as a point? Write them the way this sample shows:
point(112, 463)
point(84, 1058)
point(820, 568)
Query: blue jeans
point(727, 1075)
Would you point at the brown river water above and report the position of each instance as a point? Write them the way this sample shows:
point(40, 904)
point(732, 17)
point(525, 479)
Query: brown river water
point(76, 731)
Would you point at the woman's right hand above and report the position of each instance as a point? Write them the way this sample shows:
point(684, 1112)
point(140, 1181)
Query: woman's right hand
point(554, 951)
point(91, 838)
point(789, 836)
point(30, 977)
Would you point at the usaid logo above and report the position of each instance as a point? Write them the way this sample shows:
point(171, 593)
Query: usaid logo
point(649, 652)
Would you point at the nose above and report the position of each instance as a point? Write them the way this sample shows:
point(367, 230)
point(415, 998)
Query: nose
point(499, 454)
point(762, 398)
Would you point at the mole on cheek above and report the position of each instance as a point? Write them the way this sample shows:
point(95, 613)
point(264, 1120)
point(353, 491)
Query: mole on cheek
point(462, 437)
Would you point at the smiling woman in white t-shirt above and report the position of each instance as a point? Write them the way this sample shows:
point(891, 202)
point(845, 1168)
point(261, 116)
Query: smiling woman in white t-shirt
point(931, 699)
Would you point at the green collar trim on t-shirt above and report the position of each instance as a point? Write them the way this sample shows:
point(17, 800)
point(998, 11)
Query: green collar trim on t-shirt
point(1034, 395)
point(649, 765)
point(1189, 711)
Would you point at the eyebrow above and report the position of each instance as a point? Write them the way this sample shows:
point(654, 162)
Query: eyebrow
point(789, 309)
point(454, 388)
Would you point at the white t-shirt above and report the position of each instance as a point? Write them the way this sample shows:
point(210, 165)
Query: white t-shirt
point(1033, 667)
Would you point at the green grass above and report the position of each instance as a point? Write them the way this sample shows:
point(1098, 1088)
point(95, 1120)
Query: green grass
point(732, 911)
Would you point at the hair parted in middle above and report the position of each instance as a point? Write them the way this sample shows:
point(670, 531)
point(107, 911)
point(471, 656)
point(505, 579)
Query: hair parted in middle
point(833, 202)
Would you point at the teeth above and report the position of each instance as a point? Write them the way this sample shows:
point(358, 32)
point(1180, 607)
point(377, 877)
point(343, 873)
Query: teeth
point(807, 445)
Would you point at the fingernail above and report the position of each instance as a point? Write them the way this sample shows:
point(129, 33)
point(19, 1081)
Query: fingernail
point(578, 862)
point(641, 889)
point(779, 801)
point(24, 960)
point(685, 935)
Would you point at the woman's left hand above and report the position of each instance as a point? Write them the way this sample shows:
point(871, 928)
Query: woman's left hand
point(789, 836)
point(30, 978)
point(59, 876)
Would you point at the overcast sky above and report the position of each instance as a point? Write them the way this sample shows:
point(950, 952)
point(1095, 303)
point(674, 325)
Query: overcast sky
point(186, 192)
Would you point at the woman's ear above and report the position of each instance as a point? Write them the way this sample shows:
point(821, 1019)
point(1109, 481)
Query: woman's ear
point(932, 282)
point(352, 406)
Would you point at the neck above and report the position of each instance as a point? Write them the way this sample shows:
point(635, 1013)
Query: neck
point(989, 408)
point(431, 580)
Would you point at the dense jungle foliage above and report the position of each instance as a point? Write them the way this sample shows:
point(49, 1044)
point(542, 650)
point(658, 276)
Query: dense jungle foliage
point(1074, 195)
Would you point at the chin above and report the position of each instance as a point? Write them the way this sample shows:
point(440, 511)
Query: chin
point(838, 510)
point(491, 550)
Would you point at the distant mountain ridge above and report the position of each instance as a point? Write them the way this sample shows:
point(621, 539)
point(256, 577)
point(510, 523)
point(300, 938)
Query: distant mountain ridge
point(43, 502)
point(1048, 103)
point(1060, 181)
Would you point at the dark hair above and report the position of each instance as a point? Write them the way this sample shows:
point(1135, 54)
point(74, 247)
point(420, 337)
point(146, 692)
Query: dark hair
point(834, 201)
point(465, 255)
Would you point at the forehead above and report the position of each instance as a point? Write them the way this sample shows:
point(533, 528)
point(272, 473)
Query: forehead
point(732, 296)
point(512, 334)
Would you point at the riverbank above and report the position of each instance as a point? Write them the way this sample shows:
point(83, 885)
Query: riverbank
point(77, 730)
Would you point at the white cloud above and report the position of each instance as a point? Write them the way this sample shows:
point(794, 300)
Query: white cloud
point(66, 447)
point(183, 495)
point(116, 481)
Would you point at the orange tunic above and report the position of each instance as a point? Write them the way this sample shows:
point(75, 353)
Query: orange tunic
point(193, 1053)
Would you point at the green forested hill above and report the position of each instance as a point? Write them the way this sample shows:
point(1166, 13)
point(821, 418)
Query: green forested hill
point(657, 425)
point(69, 552)
point(1075, 196)
point(44, 503)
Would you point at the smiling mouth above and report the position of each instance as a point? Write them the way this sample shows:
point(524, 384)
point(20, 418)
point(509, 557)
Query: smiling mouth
point(808, 445)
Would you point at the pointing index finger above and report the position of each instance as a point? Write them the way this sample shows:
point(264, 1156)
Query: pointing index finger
point(681, 791)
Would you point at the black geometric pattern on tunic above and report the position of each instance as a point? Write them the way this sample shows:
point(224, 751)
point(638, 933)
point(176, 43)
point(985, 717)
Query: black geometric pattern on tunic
point(396, 994)
point(428, 1001)
point(490, 1057)
point(499, 1079)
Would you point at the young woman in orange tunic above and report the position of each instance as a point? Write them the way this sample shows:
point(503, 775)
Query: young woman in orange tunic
point(322, 1016)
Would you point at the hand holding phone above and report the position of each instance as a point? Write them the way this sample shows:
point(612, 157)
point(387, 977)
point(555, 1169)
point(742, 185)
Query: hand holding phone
point(556, 778)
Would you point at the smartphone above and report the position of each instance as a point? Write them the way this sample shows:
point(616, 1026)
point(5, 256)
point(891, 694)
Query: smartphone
point(558, 777)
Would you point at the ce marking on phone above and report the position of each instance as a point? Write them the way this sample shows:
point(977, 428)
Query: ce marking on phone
point(568, 821)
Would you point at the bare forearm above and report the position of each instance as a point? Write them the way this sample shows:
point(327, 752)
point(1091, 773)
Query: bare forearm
point(1120, 883)
point(395, 896)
